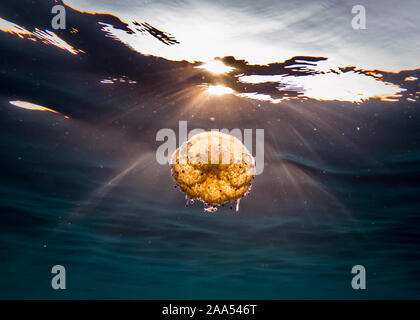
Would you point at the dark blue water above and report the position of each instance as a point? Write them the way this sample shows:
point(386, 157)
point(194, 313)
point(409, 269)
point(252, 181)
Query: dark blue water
point(340, 186)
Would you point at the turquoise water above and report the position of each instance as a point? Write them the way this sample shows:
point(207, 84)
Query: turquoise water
point(339, 188)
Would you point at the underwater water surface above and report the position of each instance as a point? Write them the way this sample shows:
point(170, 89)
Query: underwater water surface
point(81, 187)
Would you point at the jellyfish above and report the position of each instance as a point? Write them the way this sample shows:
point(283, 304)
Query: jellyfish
point(213, 167)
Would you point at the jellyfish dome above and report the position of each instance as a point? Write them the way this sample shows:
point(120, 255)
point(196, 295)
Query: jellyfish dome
point(213, 167)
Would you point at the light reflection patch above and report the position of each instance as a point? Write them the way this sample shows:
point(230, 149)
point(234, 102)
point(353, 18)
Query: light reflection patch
point(45, 36)
point(34, 107)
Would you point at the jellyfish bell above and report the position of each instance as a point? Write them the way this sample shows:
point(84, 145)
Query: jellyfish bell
point(213, 167)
